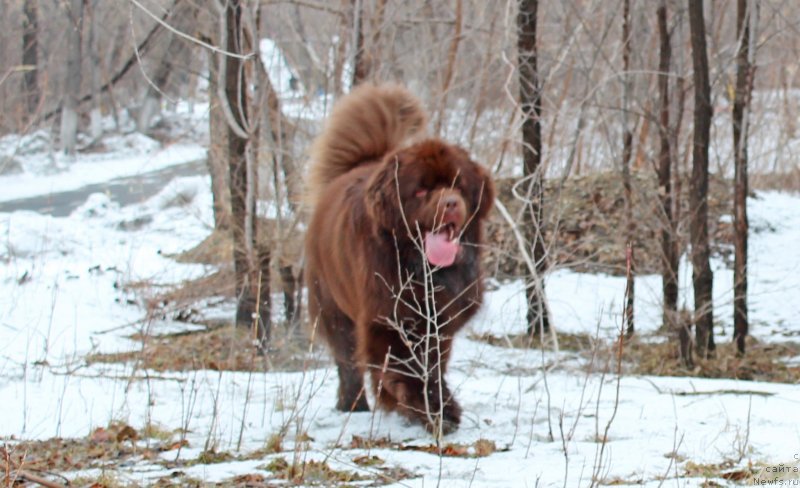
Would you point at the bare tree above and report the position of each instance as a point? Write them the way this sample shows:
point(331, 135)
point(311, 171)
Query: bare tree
point(306, 61)
point(627, 153)
point(216, 160)
point(183, 18)
point(280, 134)
point(30, 55)
point(92, 44)
point(744, 85)
point(361, 68)
point(72, 86)
point(250, 258)
point(450, 67)
point(530, 96)
point(669, 244)
point(702, 276)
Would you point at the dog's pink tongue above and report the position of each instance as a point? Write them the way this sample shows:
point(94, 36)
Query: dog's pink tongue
point(439, 250)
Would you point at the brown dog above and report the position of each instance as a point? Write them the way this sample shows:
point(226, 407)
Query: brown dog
point(392, 252)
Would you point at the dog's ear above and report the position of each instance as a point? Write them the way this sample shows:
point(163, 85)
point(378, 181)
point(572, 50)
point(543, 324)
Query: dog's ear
point(483, 193)
point(381, 196)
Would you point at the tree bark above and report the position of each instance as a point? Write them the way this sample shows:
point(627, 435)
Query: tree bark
point(184, 18)
point(450, 68)
point(340, 58)
point(217, 151)
point(72, 85)
point(95, 113)
point(530, 94)
point(361, 62)
point(306, 62)
point(281, 133)
point(141, 50)
point(627, 154)
point(702, 276)
point(744, 83)
point(30, 56)
point(252, 285)
point(669, 245)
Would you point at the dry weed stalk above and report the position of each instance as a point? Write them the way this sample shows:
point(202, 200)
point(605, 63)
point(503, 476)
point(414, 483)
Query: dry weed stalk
point(16, 473)
point(599, 461)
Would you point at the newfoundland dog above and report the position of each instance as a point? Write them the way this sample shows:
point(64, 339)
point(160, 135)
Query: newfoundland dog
point(393, 252)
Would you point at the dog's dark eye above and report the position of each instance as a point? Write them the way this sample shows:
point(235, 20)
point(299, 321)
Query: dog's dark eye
point(421, 193)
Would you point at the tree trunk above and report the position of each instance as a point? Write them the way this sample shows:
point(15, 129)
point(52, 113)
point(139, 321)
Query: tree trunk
point(72, 85)
point(669, 245)
point(261, 272)
point(217, 150)
point(340, 55)
point(30, 56)
point(184, 19)
point(259, 251)
point(361, 62)
point(530, 94)
point(141, 49)
point(281, 133)
point(744, 83)
point(95, 114)
point(306, 62)
point(702, 276)
point(450, 68)
point(251, 283)
point(627, 153)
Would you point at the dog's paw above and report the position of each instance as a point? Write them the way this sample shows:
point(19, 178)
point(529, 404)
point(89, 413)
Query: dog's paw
point(359, 404)
point(445, 421)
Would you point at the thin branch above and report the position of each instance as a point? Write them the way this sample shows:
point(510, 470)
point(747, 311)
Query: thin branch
point(324, 7)
point(139, 50)
point(187, 36)
point(139, 62)
point(28, 476)
point(222, 75)
point(523, 251)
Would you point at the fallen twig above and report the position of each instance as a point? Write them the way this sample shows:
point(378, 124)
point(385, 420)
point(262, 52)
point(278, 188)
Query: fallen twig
point(709, 392)
point(722, 392)
point(28, 476)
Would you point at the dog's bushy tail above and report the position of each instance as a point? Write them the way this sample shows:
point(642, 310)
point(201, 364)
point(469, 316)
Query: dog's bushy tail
point(364, 125)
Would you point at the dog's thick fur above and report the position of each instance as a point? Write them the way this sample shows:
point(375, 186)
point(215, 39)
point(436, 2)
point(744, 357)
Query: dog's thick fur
point(392, 252)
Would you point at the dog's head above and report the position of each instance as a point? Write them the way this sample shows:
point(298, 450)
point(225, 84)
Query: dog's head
point(433, 194)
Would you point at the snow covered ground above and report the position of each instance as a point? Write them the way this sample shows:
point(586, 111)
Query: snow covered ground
point(61, 297)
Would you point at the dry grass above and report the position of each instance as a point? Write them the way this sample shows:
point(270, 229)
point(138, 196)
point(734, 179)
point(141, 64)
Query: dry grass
point(217, 248)
point(479, 448)
point(583, 220)
point(771, 362)
point(105, 447)
point(787, 181)
point(763, 361)
point(185, 301)
point(225, 348)
point(313, 473)
point(566, 341)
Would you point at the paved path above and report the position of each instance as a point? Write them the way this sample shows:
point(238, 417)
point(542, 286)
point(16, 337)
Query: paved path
point(125, 191)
